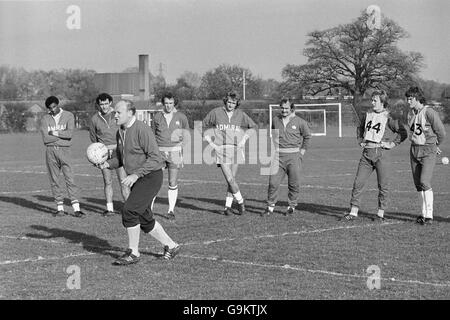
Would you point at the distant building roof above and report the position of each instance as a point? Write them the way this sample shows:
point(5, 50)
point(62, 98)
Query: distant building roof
point(35, 108)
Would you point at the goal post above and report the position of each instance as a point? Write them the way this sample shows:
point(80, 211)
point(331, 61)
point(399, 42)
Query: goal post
point(146, 115)
point(322, 111)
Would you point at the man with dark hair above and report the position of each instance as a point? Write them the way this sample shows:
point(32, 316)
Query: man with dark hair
point(231, 129)
point(138, 152)
point(427, 132)
point(170, 128)
point(56, 128)
point(378, 132)
point(103, 129)
point(291, 136)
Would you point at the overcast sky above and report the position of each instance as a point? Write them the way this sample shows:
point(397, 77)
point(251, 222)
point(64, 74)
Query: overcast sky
point(198, 35)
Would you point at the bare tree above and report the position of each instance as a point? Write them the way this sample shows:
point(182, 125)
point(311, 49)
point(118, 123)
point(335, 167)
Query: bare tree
point(354, 58)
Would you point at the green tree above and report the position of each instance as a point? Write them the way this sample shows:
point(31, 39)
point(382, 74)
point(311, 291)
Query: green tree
point(217, 82)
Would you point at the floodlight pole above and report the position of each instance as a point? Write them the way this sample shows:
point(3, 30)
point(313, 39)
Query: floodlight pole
point(243, 85)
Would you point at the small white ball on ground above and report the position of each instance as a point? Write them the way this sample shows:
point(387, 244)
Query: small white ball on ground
point(444, 160)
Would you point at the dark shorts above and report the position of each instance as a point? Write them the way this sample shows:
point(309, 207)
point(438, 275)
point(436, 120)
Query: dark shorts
point(137, 208)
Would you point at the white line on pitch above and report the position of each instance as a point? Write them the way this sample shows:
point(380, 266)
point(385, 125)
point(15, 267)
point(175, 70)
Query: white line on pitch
point(295, 268)
point(98, 175)
point(39, 258)
point(41, 190)
point(205, 242)
point(255, 264)
point(292, 233)
point(220, 182)
point(301, 186)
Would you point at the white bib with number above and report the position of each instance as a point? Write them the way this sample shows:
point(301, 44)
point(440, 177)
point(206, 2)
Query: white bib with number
point(416, 123)
point(375, 126)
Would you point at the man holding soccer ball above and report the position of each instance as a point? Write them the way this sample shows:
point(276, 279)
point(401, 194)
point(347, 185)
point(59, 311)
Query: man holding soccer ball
point(139, 154)
point(103, 129)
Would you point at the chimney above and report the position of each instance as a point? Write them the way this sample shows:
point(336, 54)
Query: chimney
point(144, 78)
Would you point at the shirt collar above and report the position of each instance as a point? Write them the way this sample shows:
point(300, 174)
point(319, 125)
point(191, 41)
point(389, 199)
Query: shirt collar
point(57, 115)
point(111, 111)
point(132, 121)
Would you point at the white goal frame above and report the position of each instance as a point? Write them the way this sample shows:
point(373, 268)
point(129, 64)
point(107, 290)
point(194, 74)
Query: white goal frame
point(146, 115)
point(338, 104)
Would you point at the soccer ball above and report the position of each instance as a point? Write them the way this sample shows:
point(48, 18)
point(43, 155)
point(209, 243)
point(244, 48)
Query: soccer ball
point(97, 153)
point(444, 160)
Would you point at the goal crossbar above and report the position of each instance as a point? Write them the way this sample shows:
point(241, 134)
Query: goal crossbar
point(339, 105)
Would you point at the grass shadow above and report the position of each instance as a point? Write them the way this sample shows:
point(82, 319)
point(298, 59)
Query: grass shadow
point(28, 204)
point(83, 205)
point(89, 242)
point(217, 202)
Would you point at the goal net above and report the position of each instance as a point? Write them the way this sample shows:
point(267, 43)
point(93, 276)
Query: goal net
point(321, 117)
point(146, 116)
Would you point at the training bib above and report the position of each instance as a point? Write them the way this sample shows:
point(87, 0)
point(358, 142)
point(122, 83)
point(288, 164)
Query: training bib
point(375, 126)
point(416, 124)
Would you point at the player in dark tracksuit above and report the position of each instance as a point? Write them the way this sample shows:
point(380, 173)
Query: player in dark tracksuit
point(231, 128)
point(291, 135)
point(103, 129)
point(427, 132)
point(56, 129)
point(170, 127)
point(138, 152)
point(377, 134)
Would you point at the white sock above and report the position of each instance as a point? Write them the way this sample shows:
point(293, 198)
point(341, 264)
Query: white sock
point(229, 200)
point(133, 239)
point(109, 206)
point(424, 205)
point(354, 211)
point(380, 213)
point(238, 197)
point(428, 195)
point(60, 207)
point(159, 234)
point(76, 206)
point(172, 194)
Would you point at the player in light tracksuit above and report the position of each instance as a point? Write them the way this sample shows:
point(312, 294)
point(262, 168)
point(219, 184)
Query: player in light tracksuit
point(56, 128)
point(170, 127)
point(377, 134)
point(103, 129)
point(291, 136)
point(230, 127)
point(427, 132)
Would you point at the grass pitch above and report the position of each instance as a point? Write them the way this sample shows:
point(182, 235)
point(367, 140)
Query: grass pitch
point(310, 255)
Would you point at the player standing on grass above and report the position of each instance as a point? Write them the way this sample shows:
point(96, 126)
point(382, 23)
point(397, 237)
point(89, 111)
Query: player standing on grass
point(57, 127)
point(232, 128)
point(138, 152)
point(103, 129)
point(377, 134)
point(169, 128)
point(291, 136)
point(427, 132)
